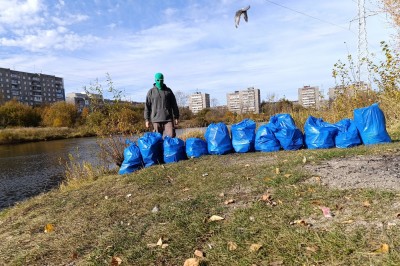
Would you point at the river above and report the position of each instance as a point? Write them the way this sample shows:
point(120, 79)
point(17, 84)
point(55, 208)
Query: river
point(29, 169)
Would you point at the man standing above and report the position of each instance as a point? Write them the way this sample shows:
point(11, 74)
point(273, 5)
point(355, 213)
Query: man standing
point(161, 108)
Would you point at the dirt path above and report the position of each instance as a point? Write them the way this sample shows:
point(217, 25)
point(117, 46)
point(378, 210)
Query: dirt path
point(377, 172)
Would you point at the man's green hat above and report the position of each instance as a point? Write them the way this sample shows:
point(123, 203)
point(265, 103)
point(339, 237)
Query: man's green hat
point(159, 79)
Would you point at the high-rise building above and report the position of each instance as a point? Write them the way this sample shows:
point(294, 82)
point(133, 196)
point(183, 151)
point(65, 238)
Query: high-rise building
point(30, 88)
point(309, 97)
point(245, 101)
point(198, 101)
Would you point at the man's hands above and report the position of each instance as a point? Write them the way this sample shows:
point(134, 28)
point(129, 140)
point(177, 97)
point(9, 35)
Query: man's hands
point(176, 122)
point(147, 124)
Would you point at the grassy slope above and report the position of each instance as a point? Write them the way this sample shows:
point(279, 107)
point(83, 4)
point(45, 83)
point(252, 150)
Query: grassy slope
point(96, 220)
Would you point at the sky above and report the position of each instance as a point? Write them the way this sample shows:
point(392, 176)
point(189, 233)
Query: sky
point(285, 45)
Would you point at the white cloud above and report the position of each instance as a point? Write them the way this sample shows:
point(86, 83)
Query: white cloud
point(20, 13)
point(58, 39)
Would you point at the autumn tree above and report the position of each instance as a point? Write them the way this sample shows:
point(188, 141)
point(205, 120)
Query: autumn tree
point(60, 114)
point(14, 113)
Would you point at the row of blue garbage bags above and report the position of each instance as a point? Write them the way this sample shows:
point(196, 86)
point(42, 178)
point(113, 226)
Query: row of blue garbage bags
point(368, 127)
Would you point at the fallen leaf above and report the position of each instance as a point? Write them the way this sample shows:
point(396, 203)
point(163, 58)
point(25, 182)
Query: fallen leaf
point(247, 165)
point(348, 222)
point(267, 179)
point(152, 245)
point(304, 159)
point(232, 246)
point(277, 171)
point(129, 195)
point(115, 261)
point(164, 245)
point(205, 174)
point(186, 189)
point(366, 204)
point(276, 263)
point(199, 253)
point(215, 218)
point(105, 197)
point(255, 247)
point(74, 255)
point(266, 197)
point(221, 194)
point(312, 249)
point(155, 209)
point(159, 242)
point(300, 222)
point(192, 262)
point(49, 228)
point(229, 201)
point(326, 211)
point(316, 202)
point(287, 175)
point(383, 249)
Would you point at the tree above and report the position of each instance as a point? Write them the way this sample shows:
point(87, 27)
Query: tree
point(181, 98)
point(392, 7)
point(214, 102)
point(14, 113)
point(60, 114)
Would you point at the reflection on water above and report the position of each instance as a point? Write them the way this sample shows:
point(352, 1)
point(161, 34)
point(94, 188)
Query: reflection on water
point(32, 168)
point(29, 169)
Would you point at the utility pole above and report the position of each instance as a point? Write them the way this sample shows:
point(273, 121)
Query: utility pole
point(362, 46)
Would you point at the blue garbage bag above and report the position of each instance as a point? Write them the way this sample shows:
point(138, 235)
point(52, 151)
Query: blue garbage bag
point(243, 136)
point(151, 148)
point(132, 159)
point(319, 134)
point(286, 132)
point(218, 139)
point(370, 122)
point(195, 147)
point(348, 135)
point(174, 150)
point(265, 140)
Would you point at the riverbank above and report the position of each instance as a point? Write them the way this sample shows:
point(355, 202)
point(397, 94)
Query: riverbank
point(237, 209)
point(28, 134)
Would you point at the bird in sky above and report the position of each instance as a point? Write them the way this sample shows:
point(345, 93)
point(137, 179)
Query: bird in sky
point(239, 13)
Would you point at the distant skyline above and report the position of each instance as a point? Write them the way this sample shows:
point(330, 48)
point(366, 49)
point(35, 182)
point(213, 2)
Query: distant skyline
point(285, 45)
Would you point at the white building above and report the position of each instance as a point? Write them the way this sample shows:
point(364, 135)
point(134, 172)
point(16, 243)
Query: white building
point(198, 101)
point(349, 90)
point(245, 101)
point(309, 97)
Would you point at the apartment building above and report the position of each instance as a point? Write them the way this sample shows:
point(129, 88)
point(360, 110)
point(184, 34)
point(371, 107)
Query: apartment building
point(309, 97)
point(349, 90)
point(198, 101)
point(30, 88)
point(80, 100)
point(245, 101)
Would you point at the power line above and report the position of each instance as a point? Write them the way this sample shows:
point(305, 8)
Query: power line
point(304, 14)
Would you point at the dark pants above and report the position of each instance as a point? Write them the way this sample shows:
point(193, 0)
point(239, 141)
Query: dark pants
point(165, 128)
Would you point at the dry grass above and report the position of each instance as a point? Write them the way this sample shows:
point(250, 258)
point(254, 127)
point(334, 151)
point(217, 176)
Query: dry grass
point(192, 133)
point(18, 135)
point(111, 216)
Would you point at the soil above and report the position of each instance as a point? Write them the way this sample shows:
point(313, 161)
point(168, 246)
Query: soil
point(372, 171)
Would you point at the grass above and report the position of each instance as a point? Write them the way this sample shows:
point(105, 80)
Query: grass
point(27, 134)
point(111, 216)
